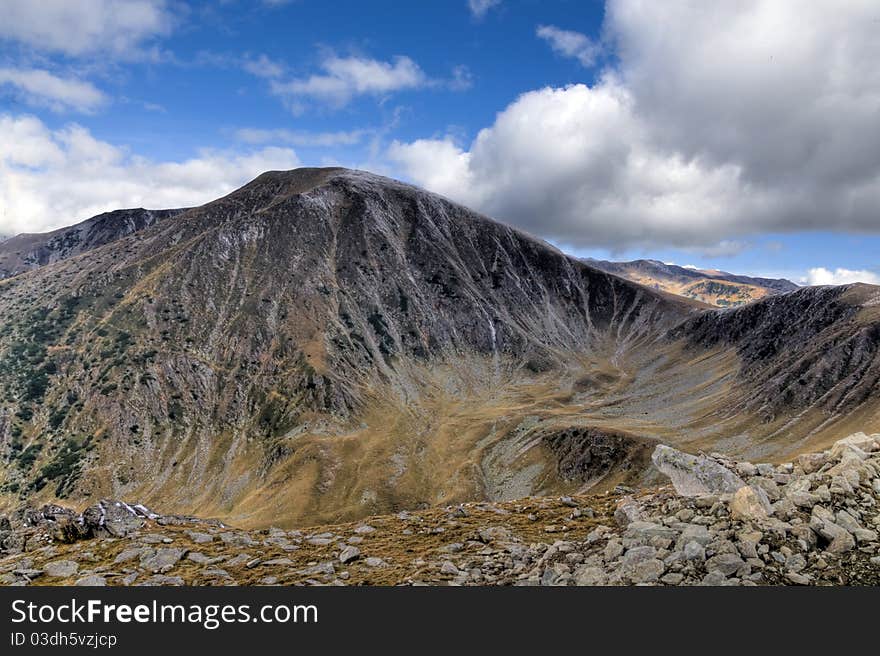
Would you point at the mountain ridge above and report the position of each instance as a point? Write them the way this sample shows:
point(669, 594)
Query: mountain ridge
point(29, 251)
point(716, 288)
point(324, 344)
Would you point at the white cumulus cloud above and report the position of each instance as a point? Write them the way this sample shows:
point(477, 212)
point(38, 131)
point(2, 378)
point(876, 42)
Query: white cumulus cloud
point(839, 276)
point(79, 27)
point(52, 178)
point(710, 125)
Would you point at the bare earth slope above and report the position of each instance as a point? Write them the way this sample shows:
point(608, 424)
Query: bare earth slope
point(325, 344)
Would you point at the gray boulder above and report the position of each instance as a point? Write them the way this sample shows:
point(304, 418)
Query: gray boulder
point(693, 476)
point(627, 511)
point(726, 563)
point(349, 554)
point(840, 540)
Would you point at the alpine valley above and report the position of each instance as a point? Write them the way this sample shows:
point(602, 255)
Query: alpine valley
point(324, 345)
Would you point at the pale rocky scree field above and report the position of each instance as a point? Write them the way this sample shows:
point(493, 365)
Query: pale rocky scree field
point(722, 522)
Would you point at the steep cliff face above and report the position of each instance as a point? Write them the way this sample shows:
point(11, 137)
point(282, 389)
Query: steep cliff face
point(325, 344)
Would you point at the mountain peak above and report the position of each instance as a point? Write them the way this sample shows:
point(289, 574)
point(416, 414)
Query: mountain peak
point(302, 180)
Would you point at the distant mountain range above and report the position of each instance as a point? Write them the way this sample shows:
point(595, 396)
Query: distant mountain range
point(717, 288)
point(328, 344)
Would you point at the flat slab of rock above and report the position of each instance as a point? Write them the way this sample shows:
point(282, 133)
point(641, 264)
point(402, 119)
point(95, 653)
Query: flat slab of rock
point(162, 560)
point(92, 580)
point(61, 569)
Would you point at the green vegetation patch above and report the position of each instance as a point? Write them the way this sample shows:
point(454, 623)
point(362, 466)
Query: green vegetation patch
point(64, 468)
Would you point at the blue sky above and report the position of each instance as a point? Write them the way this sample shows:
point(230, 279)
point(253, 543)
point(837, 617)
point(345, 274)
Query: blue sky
point(734, 137)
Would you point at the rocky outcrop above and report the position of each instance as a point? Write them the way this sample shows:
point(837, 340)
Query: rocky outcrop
point(821, 529)
point(114, 518)
point(588, 453)
point(695, 475)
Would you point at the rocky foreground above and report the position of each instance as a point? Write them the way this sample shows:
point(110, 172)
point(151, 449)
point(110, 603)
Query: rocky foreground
point(811, 522)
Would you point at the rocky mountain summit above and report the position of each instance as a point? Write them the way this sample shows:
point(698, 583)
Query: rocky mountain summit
point(814, 521)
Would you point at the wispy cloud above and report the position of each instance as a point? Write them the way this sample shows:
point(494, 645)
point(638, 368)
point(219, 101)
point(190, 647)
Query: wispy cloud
point(343, 78)
point(301, 137)
point(263, 66)
point(723, 248)
point(462, 79)
point(479, 8)
point(570, 44)
point(44, 89)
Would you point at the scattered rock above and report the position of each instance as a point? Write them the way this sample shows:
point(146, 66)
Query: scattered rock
point(92, 580)
point(627, 511)
point(349, 554)
point(590, 576)
point(200, 538)
point(61, 569)
point(727, 563)
point(448, 567)
point(161, 560)
point(812, 522)
point(750, 504)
